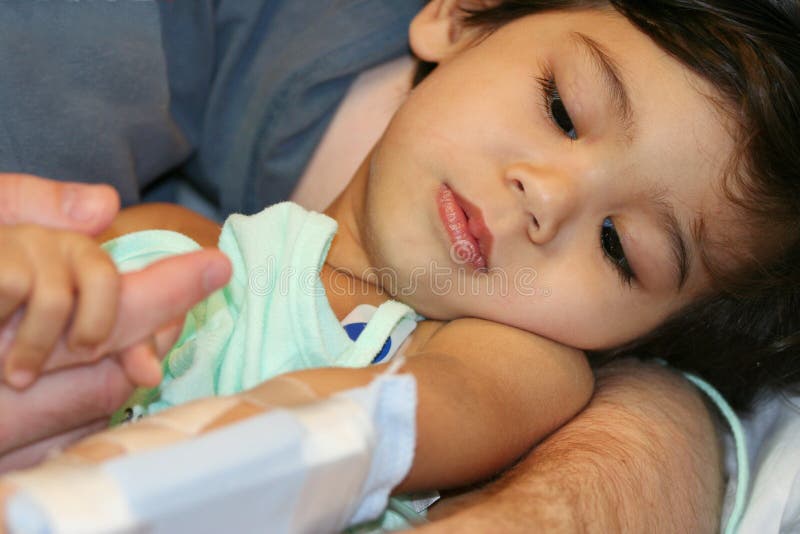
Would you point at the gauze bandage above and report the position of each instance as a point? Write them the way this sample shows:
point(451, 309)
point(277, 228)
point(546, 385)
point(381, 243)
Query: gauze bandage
point(314, 467)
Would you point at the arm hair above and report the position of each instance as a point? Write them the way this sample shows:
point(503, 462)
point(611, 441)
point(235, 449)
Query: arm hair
point(645, 456)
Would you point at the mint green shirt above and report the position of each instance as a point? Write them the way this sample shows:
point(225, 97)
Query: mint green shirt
point(271, 318)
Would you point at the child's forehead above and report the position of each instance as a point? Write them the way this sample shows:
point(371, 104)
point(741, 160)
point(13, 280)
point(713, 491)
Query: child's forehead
point(605, 22)
point(585, 48)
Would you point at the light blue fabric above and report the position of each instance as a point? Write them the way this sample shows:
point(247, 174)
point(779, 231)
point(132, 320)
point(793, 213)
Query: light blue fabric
point(274, 317)
point(271, 318)
point(123, 92)
point(400, 516)
point(85, 93)
point(394, 414)
point(256, 83)
point(731, 523)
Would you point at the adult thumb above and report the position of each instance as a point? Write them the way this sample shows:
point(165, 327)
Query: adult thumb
point(84, 208)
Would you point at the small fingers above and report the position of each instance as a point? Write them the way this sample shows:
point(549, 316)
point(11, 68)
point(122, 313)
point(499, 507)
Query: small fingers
point(163, 292)
point(154, 299)
point(98, 285)
point(62, 267)
point(167, 336)
point(47, 312)
point(61, 401)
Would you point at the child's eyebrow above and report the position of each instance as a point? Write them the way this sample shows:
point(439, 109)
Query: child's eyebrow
point(665, 212)
point(613, 81)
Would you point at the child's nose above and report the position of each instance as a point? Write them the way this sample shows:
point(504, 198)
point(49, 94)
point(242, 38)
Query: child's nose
point(548, 198)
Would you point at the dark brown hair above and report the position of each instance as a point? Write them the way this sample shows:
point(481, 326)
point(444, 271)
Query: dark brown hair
point(744, 336)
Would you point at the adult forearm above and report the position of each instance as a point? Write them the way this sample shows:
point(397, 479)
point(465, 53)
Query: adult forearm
point(643, 457)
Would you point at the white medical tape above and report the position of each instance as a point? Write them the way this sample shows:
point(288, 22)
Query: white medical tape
point(281, 391)
point(340, 439)
point(393, 415)
point(68, 496)
point(231, 479)
point(193, 417)
point(139, 436)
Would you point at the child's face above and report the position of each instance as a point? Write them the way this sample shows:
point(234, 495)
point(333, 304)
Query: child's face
point(574, 193)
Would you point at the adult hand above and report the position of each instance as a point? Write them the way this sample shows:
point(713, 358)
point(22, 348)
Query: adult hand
point(88, 209)
point(65, 405)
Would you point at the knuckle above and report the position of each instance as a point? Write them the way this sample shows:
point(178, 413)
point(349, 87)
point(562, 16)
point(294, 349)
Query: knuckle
point(15, 281)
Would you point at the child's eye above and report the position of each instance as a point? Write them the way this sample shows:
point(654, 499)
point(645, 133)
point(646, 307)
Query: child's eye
point(554, 107)
point(612, 249)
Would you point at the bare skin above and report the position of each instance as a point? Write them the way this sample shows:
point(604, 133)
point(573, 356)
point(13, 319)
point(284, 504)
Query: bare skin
point(644, 456)
point(678, 454)
point(81, 388)
point(166, 217)
point(323, 387)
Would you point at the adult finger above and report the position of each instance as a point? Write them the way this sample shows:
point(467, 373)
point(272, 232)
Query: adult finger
point(158, 294)
point(165, 291)
point(34, 453)
point(141, 364)
point(73, 206)
point(59, 402)
point(167, 336)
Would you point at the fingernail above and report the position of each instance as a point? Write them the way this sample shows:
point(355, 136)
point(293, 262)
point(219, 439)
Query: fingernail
point(20, 378)
point(82, 203)
point(215, 275)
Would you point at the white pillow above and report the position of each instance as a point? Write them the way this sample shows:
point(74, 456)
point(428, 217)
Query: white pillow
point(773, 434)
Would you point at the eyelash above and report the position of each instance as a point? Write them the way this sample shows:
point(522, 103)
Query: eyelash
point(554, 106)
point(612, 249)
point(610, 244)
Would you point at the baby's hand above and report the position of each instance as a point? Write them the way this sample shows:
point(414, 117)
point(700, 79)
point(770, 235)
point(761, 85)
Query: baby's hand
point(53, 282)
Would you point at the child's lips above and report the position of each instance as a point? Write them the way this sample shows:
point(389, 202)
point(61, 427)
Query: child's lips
point(470, 238)
point(477, 226)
